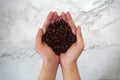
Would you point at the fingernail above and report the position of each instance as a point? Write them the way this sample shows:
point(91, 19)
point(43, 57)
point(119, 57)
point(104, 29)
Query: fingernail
point(73, 30)
point(39, 29)
point(67, 12)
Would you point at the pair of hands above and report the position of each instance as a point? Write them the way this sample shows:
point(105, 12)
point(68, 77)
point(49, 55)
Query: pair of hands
point(46, 52)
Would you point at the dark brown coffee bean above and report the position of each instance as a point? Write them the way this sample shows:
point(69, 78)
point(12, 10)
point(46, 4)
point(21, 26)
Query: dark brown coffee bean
point(59, 36)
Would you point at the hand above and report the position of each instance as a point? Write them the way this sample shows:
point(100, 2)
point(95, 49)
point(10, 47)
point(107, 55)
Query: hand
point(42, 48)
point(50, 59)
point(75, 50)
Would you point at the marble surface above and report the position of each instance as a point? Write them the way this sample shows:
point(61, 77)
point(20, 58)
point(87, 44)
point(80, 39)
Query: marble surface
point(19, 23)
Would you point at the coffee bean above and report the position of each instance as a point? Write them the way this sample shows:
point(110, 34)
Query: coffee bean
point(59, 36)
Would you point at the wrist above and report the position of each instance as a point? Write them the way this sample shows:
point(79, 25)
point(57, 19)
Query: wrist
point(71, 71)
point(68, 64)
point(53, 61)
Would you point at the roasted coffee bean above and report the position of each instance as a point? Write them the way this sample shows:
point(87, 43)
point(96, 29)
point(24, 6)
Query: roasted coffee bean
point(59, 36)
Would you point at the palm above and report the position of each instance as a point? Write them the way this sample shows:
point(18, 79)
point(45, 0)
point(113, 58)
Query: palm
point(48, 52)
point(72, 51)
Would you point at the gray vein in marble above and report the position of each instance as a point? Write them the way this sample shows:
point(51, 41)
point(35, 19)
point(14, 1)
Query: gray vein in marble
point(23, 53)
point(100, 46)
point(108, 24)
point(93, 14)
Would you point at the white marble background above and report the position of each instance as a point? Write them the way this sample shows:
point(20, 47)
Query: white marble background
point(100, 22)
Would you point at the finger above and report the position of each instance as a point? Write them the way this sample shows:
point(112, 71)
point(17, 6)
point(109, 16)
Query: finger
point(47, 21)
point(70, 22)
point(55, 15)
point(39, 37)
point(63, 16)
point(79, 37)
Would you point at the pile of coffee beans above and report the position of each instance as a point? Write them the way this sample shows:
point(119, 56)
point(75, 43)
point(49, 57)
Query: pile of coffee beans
point(59, 36)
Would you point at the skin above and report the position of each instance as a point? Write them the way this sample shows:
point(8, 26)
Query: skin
point(50, 59)
point(68, 60)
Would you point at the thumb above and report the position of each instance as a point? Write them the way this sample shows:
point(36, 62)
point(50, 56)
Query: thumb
point(39, 37)
point(79, 35)
point(62, 55)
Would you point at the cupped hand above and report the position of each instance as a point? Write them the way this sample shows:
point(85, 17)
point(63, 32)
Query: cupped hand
point(72, 54)
point(42, 48)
